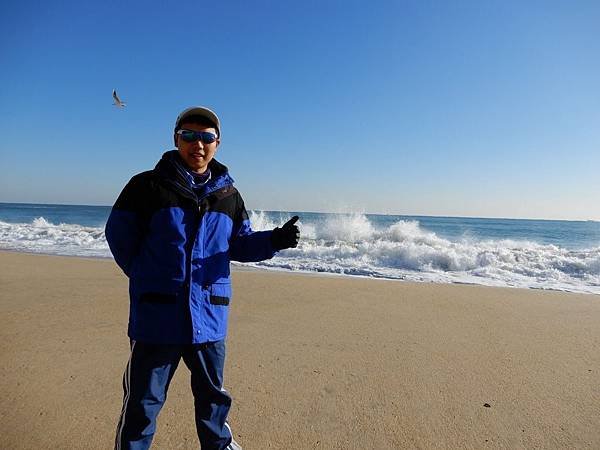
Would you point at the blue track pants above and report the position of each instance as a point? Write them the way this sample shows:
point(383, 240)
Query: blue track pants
point(146, 381)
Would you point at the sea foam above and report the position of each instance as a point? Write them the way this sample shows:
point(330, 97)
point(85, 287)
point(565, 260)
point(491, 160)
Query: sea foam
point(351, 244)
point(41, 236)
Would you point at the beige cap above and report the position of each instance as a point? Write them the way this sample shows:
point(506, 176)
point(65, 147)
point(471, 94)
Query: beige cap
point(199, 111)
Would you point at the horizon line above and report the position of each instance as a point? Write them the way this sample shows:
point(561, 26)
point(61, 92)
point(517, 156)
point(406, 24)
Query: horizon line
point(348, 212)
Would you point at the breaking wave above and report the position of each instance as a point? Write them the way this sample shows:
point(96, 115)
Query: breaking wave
point(354, 245)
point(41, 236)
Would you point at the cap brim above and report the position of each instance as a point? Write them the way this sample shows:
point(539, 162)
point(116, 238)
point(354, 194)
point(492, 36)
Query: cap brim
point(202, 112)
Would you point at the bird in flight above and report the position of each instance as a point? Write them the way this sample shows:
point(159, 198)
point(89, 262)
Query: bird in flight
point(118, 103)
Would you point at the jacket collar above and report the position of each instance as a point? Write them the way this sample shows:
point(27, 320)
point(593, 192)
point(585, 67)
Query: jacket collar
point(172, 169)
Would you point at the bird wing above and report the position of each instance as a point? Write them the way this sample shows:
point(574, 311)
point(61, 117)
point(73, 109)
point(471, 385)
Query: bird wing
point(116, 97)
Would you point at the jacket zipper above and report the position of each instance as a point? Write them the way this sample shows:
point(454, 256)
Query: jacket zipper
point(201, 212)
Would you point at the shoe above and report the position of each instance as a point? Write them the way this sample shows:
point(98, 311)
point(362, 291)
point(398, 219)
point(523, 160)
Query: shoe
point(233, 445)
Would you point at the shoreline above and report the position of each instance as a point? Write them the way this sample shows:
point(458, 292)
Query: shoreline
point(242, 267)
point(313, 362)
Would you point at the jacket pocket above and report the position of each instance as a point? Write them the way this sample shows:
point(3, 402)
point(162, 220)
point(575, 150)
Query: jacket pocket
point(157, 297)
point(220, 294)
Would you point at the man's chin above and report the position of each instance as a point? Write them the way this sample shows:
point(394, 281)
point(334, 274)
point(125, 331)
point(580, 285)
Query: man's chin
point(197, 168)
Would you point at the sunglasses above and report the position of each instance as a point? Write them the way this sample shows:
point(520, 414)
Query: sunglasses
point(192, 136)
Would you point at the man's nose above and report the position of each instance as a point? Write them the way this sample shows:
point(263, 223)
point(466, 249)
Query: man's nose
point(199, 144)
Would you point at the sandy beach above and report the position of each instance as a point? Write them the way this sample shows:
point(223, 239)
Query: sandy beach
point(313, 363)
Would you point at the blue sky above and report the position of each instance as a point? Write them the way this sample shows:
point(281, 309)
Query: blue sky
point(487, 109)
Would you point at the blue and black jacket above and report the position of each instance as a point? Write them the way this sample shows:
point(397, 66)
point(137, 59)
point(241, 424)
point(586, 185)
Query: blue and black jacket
point(175, 247)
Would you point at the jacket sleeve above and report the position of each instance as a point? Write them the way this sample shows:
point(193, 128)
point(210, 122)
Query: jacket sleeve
point(247, 245)
point(126, 225)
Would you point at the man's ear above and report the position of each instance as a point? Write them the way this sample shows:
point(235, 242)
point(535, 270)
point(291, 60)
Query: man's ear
point(175, 139)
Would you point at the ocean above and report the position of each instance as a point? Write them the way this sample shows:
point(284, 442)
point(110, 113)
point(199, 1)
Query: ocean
point(541, 254)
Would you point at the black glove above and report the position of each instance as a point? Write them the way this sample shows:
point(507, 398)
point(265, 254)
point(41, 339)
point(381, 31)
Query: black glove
point(287, 236)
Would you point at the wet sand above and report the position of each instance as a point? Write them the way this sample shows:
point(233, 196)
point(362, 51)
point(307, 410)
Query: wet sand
point(313, 363)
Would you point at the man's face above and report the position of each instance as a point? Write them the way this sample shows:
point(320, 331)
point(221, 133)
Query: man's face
point(196, 154)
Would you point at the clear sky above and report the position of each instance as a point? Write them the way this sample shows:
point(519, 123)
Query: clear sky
point(482, 108)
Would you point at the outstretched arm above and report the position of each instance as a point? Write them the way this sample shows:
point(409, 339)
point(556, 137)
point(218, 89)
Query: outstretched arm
point(247, 245)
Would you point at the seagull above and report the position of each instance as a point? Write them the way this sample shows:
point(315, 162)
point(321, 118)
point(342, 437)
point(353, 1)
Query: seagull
point(118, 103)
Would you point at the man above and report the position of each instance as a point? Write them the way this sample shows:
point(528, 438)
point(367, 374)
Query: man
point(173, 231)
